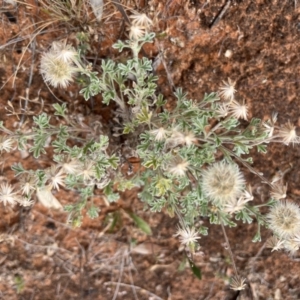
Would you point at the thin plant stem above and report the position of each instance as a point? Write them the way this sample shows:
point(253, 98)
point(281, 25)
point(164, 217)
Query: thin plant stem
point(228, 246)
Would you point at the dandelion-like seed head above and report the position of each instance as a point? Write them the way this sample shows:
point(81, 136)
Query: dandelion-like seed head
point(238, 283)
point(7, 194)
point(72, 166)
point(136, 32)
point(288, 134)
point(88, 172)
point(189, 138)
point(55, 71)
point(188, 237)
point(64, 52)
point(141, 20)
point(222, 183)
point(179, 169)
point(60, 64)
point(6, 144)
point(239, 111)
point(278, 191)
point(56, 177)
point(28, 183)
point(222, 110)
point(239, 204)
point(26, 202)
point(227, 90)
point(180, 138)
point(160, 134)
point(284, 219)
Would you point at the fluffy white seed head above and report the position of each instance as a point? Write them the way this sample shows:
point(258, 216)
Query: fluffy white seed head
point(72, 166)
point(7, 194)
point(223, 183)
point(56, 177)
point(284, 219)
point(55, 71)
point(64, 52)
point(278, 191)
point(179, 169)
point(160, 134)
point(28, 184)
point(141, 20)
point(238, 283)
point(227, 90)
point(238, 110)
point(136, 32)
point(222, 110)
point(288, 134)
point(6, 144)
point(60, 64)
point(240, 203)
point(26, 202)
point(188, 237)
point(179, 138)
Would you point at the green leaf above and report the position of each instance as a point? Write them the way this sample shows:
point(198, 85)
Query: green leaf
point(85, 92)
point(20, 283)
point(119, 45)
point(39, 144)
point(179, 94)
point(59, 145)
point(103, 141)
point(230, 123)
point(113, 161)
point(125, 185)
point(203, 230)
point(144, 116)
point(42, 121)
point(108, 66)
point(60, 110)
point(22, 141)
point(160, 100)
point(163, 185)
point(109, 193)
point(241, 148)
point(18, 168)
point(262, 148)
point(63, 132)
point(196, 270)
point(212, 97)
point(113, 197)
point(128, 127)
point(85, 193)
point(244, 216)
point(116, 220)
point(153, 162)
point(257, 237)
point(93, 212)
point(140, 223)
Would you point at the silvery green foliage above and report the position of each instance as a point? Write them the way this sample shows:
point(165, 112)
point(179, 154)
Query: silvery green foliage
point(175, 147)
point(193, 157)
point(80, 166)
